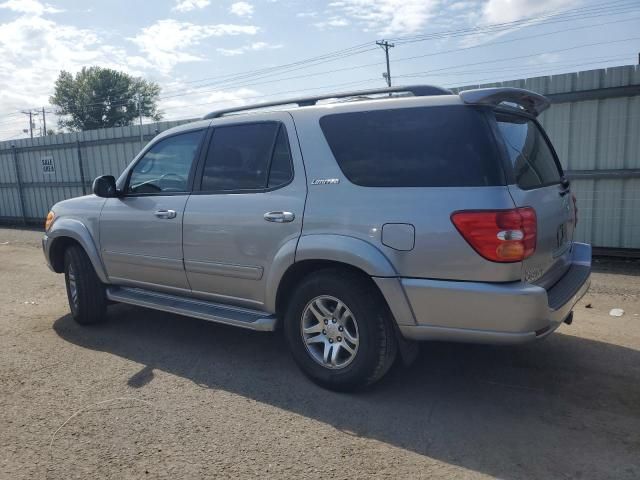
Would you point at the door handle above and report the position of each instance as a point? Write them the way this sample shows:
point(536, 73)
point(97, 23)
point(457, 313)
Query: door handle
point(279, 217)
point(165, 214)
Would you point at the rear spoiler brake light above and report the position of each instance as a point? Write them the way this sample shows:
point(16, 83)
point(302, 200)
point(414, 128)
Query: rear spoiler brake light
point(531, 102)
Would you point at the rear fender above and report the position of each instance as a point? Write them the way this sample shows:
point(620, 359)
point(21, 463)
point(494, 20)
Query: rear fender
point(344, 249)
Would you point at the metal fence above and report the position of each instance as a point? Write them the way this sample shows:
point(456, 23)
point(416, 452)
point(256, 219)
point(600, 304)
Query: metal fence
point(36, 173)
point(594, 123)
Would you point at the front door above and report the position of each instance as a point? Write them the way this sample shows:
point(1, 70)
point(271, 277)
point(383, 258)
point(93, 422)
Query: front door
point(141, 231)
point(247, 204)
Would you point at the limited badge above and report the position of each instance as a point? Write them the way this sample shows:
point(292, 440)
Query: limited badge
point(325, 181)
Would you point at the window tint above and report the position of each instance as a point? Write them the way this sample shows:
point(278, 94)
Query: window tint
point(165, 167)
point(281, 171)
point(414, 147)
point(240, 156)
point(533, 162)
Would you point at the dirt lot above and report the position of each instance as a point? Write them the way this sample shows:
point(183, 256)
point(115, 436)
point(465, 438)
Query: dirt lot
point(154, 395)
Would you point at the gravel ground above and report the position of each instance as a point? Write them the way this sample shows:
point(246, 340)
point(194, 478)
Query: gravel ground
point(154, 395)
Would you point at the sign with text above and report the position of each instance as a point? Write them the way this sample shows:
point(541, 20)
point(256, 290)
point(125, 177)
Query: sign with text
point(48, 166)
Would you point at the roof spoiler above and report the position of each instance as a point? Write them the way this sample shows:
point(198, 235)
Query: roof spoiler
point(531, 102)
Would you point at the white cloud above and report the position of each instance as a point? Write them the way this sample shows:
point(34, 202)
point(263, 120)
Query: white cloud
point(463, 5)
point(188, 5)
point(332, 22)
point(33, 51)
point(544, 58)
point(252, 47)
point(241, 9)
point(32, 7)
point(198, 103)
point(387, 17)
point(166, 42)
point(498, 11)
point(306, 14)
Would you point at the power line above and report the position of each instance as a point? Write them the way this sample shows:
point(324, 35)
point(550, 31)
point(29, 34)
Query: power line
point(553, 17)
point(528, 55)
point(453, 67)
point(470, 82)
point(237, 80)
point(589, 61)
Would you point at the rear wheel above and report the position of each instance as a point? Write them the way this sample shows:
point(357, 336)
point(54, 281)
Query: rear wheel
point(339, 330)
point(85, 292)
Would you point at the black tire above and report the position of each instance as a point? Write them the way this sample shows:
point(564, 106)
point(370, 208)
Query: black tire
point(89, 304)
point(377, 346)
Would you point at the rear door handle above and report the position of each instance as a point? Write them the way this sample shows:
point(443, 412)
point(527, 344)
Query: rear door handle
point(165, 214)
point(279, 217)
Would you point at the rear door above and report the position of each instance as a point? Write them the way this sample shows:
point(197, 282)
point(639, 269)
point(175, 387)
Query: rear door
point(247, 203)
point(537, 181)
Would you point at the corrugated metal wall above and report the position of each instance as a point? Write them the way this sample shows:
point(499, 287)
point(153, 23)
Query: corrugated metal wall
point(594, 123)
point(77, 159)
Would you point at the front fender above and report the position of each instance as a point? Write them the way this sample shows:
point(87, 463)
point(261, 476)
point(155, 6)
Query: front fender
point(76, 230)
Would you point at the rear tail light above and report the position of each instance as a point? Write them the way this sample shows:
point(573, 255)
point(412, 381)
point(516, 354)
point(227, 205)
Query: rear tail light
point(499, 235)
point(575, 210)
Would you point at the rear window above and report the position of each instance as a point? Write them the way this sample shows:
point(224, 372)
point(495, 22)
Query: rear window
point(446, 146)
point(533, 161)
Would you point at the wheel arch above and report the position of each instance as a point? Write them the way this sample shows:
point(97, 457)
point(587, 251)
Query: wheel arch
point(66, 232)
point(313, 252)
point(300, 270)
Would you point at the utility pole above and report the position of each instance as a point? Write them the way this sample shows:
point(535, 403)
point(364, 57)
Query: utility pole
point(44, 123)
point(386, 46)
point(139, 105)
point(30, 122)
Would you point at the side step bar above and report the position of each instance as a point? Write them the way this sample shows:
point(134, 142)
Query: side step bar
point(214, 312)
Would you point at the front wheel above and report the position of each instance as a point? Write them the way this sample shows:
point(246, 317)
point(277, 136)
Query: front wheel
point(339, 330)
point(85, 291)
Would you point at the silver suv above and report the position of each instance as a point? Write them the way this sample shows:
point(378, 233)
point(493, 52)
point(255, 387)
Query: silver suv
point(359, 223)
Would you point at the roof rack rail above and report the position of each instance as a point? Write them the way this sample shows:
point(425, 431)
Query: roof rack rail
point(415, 90)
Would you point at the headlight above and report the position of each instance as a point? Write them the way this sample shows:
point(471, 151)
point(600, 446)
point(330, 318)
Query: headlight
point(50, 217)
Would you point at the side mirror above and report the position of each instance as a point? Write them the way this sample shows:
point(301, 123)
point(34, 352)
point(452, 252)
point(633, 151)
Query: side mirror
point(105, 186)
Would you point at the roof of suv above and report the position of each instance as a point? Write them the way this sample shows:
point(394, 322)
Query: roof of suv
point(338, 98)
point(405, 96)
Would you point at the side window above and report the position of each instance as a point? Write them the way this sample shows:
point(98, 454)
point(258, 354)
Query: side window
point(443, 146)
point(281, 171)
point(165, 167)
point(247, 157)
point(533, 161)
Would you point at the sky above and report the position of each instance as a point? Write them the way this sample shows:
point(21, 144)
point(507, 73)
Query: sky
point(208, 54)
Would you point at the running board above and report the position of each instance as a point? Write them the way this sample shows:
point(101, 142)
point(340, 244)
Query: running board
point(214, 312)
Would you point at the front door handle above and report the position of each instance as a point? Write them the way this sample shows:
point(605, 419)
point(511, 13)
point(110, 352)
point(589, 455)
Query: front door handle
point(165, 214)
point(279, 217)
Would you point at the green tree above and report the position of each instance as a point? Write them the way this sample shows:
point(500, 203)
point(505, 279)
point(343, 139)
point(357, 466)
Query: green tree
point(101, 97)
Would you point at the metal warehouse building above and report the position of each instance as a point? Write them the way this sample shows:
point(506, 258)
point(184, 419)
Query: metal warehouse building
point(594, 123)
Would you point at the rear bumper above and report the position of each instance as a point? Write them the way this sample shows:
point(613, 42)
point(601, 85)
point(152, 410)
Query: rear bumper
point(506, 313)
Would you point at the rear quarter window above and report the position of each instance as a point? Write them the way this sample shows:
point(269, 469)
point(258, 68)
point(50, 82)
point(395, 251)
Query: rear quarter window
point(443, 146)
point(530, 154)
